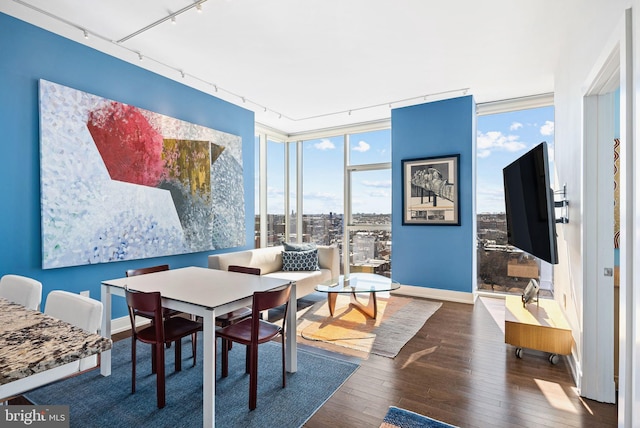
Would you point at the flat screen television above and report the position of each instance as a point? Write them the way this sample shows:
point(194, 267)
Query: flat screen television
point(531, 223)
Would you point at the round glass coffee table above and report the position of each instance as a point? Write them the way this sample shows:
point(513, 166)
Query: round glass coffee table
point(357, 283)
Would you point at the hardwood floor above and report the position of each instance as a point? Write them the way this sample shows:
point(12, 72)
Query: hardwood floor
point(459, 370)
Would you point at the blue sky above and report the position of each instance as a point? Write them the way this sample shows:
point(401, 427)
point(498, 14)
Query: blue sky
point(501, 138)
point(324, 177)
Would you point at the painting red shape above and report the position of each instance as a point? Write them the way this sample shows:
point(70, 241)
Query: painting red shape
point(129, 146)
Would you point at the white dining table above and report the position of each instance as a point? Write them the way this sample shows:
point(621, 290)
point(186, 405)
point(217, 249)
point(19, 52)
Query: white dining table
point(207, 293)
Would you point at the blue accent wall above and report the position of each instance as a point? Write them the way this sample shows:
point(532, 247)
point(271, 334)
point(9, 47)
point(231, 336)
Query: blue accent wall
point(27, 54)
point(440, 257)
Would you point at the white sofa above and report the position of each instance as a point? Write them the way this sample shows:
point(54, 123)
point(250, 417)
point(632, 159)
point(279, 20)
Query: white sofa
point(269, 260)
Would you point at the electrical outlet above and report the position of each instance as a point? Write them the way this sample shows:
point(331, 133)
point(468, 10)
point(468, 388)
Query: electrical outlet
point(85, 293)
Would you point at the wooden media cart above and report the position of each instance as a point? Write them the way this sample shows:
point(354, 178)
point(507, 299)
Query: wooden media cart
point(538, 325)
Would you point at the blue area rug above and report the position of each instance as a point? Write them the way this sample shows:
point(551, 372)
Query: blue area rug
point(401, 418)
point(96, 401)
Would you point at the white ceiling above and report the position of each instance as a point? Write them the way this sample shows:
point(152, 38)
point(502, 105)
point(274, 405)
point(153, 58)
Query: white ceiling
point(309, 63)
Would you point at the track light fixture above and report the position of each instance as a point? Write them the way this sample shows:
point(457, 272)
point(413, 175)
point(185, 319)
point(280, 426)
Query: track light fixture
point(198, 6)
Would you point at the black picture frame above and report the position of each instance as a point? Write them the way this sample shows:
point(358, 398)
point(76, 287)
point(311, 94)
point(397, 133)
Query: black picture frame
point(430, 191)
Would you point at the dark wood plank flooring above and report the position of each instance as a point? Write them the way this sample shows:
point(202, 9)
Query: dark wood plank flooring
point(459, 370)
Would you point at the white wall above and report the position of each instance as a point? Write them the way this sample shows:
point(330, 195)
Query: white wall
point(584, 54)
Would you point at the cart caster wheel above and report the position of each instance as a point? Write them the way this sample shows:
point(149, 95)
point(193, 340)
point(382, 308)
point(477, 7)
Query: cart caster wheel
point(553, 359)
point(519, 352)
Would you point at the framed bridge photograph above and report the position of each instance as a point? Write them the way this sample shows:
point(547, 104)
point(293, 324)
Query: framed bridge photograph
point(430, 193)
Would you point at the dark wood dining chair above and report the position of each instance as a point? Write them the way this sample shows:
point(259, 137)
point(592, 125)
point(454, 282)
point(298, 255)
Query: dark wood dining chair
point(242, 313)
point(161, 331)
point(166, 312)
point(254, 331)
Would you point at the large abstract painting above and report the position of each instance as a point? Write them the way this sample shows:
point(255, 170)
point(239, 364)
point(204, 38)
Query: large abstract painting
point(122, 183)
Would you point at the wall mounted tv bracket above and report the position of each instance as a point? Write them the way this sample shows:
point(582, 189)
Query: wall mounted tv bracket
point(563, 204)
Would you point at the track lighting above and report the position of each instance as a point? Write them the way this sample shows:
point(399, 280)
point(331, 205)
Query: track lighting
point(197, 5)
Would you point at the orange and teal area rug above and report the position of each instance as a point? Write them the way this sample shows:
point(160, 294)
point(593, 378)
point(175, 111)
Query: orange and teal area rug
point(401, 418)
point(350, 332)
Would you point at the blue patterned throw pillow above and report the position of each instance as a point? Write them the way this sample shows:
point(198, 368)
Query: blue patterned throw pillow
point(305, 246)
point(300, 260)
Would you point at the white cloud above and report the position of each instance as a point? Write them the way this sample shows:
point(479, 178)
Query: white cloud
point(379, 193)
point(385, 184)
point(274, 191)
point(548, 128)
point(324, 144)
point(362, 146)
point(515, 126)
point(489, 199)
point(495, 140)
point(551, 153)
point(321, 196)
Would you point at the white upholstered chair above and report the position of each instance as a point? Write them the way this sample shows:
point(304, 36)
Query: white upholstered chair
point(22, 290)
point(81, 311)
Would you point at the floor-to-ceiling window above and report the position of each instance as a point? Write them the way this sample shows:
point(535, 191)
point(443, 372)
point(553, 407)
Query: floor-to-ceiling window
point(291, 160)
point(323, 190)
point(501, 139)
point(275, 193)
point(256, 189)
point(340, 182)
point(368, 202)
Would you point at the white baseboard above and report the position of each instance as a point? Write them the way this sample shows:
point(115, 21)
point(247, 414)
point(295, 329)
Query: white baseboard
point(435, 293)
point(575, 368)
point(118, 325)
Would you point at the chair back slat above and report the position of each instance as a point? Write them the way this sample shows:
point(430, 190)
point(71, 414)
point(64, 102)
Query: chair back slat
point(244, 269)
point(150, 303)
point(263, 300)
point(143, 271)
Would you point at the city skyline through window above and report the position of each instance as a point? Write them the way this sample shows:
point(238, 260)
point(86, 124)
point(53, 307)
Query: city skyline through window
point(501, 139)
